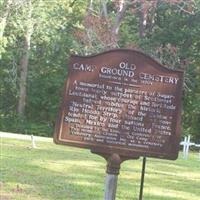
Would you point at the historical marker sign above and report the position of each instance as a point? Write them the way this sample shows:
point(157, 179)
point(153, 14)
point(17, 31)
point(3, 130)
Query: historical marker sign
point(121, 101)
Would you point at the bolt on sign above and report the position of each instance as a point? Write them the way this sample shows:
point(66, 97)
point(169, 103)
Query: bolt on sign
point(121, 101)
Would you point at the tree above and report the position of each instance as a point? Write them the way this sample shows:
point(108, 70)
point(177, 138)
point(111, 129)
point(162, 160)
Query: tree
point(24, 60)
point(5, 11)
point(101, 26)
point(33, 65)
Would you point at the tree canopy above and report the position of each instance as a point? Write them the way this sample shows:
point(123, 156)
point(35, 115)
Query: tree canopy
point(36, 39)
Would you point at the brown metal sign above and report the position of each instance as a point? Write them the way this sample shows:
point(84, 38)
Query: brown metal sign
point(121, 101)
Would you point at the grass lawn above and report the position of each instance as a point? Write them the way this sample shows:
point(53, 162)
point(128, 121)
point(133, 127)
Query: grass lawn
point(54, 172)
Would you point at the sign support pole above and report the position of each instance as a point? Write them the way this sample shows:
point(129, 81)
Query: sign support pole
point(113, 167)
point(110, 187)
point(142, 178)
point(114, 161)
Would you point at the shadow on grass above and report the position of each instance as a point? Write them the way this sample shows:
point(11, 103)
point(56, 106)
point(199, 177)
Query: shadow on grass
point(175, 181)
point(54, 174)
point(70, 184)
point(162, 197)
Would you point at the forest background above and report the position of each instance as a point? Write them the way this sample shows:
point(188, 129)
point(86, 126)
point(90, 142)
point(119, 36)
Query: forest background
point(38, 36)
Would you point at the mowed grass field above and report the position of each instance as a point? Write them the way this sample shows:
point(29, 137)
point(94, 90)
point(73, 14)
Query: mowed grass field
point(54, 172)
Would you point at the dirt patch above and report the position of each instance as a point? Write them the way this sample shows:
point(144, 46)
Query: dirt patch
point(4, 197)
point(18, 189)
point(1, 186)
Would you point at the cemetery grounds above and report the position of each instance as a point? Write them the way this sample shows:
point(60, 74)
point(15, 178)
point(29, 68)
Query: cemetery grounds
point(54, 172)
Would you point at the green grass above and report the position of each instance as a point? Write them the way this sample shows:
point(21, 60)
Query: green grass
point(54, 172)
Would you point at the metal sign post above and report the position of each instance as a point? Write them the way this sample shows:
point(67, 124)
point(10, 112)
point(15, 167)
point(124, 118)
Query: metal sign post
point(114, 161)
point(142, 178)
point(110, 187)
point(113, 167)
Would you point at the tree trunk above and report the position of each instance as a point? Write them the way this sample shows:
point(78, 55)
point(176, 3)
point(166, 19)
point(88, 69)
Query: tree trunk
point(24, 64)
point(118, 20)
point(142, 21)
point(23, 74)
point(90, 7)
point(104, 8)
point(4, 16)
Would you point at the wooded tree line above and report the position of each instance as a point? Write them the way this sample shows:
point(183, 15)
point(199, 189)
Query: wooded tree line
point(37, 37)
